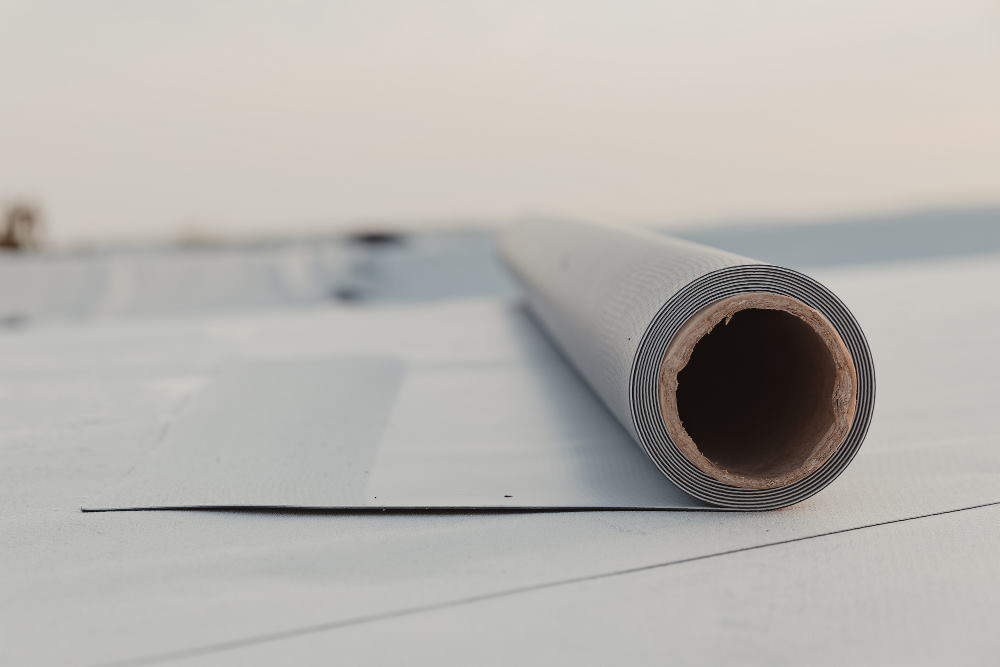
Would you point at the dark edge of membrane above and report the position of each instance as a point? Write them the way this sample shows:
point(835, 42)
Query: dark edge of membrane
point(423, 510)
point(494, 595)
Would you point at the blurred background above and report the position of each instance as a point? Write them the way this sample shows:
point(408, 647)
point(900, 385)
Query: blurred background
point(188, 123)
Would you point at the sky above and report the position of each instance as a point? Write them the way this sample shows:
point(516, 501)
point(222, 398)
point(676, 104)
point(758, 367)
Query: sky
point(145, 119)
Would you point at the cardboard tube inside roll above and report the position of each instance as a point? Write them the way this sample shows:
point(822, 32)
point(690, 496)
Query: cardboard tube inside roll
point(758, 390)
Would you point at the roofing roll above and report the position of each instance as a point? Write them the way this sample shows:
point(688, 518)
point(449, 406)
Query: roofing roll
point(750, 386)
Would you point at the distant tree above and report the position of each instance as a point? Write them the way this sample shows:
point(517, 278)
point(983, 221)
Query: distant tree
point(21, 227)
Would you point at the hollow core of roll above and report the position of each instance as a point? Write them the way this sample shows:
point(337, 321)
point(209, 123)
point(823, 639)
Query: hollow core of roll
point(758, 390)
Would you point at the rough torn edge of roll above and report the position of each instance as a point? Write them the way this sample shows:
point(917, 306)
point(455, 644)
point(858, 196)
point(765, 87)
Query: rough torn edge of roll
point(844, 395)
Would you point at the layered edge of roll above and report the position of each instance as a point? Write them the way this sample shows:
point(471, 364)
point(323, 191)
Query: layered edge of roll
point(819, 403)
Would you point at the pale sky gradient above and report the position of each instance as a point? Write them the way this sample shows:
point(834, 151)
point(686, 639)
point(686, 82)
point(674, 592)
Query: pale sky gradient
point(141, 118)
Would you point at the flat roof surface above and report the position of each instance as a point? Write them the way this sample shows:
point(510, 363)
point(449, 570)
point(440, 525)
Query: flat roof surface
point(99, 353)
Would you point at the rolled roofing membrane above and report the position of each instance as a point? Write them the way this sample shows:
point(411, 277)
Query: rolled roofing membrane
point(749, 386)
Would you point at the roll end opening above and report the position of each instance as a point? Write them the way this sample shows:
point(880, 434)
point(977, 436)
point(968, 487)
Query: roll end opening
point(758, 390)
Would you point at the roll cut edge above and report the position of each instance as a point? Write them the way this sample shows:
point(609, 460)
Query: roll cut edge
point(752, 388)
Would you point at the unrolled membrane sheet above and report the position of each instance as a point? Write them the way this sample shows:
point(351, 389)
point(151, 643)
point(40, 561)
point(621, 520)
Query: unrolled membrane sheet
point(651, 373)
